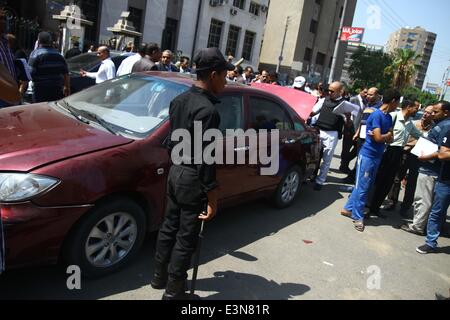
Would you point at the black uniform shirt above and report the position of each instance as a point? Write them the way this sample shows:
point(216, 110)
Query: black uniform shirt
point(195, 105)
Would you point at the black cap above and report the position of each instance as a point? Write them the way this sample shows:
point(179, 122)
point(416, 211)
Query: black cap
point(212, 59)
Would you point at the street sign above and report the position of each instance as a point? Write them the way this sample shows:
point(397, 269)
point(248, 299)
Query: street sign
point(351, 34)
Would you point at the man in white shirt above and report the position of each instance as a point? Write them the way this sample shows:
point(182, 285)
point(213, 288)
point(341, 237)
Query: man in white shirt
point(126, 66)
point(107, 70)
point(330, 126)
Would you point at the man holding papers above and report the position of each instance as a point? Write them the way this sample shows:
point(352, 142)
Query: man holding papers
point(441, 200)
point(429, 170)
point(330, 125)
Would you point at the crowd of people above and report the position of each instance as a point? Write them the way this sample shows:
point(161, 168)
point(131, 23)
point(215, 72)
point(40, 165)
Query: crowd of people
point(380, 134)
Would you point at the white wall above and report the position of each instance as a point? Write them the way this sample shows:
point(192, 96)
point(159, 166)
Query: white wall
point(155, 21)
point(111, 11)
point(187, 26)
point(244, 19)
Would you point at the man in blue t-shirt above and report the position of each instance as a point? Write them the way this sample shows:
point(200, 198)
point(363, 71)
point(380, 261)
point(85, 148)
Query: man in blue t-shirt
point(379, 132)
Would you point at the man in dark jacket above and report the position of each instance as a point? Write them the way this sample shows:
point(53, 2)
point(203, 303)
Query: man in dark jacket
point(330, 126)
point(75, 51)
point(50, 73)
point(191, 187)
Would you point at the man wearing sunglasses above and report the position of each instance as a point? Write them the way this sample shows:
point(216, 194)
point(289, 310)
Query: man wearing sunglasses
point(330, 126)
point(107, 70)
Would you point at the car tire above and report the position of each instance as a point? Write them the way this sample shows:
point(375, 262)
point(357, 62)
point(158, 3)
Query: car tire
point(107, 239)
point(288, 188)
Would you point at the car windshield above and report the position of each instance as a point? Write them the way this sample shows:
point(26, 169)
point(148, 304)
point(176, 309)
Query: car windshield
point(133, 105)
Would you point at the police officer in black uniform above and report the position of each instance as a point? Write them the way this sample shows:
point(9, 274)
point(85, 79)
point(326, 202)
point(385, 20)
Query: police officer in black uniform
point(191, 188)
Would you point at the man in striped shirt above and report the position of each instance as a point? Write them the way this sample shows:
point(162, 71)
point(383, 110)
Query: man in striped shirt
point(9, 89)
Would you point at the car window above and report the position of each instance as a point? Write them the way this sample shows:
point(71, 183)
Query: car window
point(269, 115)
point(230, 109)
point(134, 104)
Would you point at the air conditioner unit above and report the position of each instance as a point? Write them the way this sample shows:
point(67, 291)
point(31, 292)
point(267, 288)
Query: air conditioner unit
point(215, 3)
point(233, 12)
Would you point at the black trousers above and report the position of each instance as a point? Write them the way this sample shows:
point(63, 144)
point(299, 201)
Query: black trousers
point(349, 147)
point(43, 93)
point(390, 165)
point(359, 144)
point(178, 236)
point(399, 177)
point(411, 182)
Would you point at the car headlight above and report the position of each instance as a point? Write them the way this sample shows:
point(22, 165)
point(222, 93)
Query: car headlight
point(16, 187)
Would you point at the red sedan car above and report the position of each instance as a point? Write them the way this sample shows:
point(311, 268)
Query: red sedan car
point(83, 179)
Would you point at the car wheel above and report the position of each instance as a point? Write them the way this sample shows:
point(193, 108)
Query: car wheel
point(288, 188)
point(107, 239)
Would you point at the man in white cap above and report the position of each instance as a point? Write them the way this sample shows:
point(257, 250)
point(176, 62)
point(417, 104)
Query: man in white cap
point(299, 83)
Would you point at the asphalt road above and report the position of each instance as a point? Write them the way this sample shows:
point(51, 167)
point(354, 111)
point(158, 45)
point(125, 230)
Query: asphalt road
point(257, 252)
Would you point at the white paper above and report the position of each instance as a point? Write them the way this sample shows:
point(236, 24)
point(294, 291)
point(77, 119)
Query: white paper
point(424, 147)
point(347, 107)
point(363, 132)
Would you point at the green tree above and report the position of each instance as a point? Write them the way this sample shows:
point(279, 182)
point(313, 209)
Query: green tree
point(403, 68)
point(368, 69)
point(425, 98)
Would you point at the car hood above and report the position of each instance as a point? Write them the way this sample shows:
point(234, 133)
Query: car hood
point(35, 135)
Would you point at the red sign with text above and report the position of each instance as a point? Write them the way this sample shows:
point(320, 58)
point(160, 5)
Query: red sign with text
point(351, 34)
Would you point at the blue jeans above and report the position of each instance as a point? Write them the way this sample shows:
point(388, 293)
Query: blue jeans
point(366, 173)
point(438, 213)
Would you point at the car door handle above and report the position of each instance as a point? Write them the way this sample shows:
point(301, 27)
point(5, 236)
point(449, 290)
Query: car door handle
point(242, 149)
point(289, 141)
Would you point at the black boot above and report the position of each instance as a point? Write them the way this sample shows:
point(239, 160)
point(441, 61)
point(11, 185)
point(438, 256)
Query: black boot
point(176, 290)
point(160, 276)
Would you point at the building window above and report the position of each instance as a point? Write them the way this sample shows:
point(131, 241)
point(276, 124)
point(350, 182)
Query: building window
point(342, 12)
point(313, 26)
point(308, 54)
point(249, 41)
point(233, 39)
point(215, 33)
point(320, 59)
point(254, 8)
point(239, 4)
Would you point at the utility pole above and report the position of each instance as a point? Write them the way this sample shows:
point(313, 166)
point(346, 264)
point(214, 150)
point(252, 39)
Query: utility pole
point(338, 41)
point(280, 58)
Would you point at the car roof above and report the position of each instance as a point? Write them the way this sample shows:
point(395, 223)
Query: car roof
point(302, 103)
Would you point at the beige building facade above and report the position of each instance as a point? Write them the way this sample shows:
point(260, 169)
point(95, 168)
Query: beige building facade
point(419, 40)
point(313, 27)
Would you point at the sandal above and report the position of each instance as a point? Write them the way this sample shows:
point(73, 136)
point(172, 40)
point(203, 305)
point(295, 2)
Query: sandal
point(359, 225)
